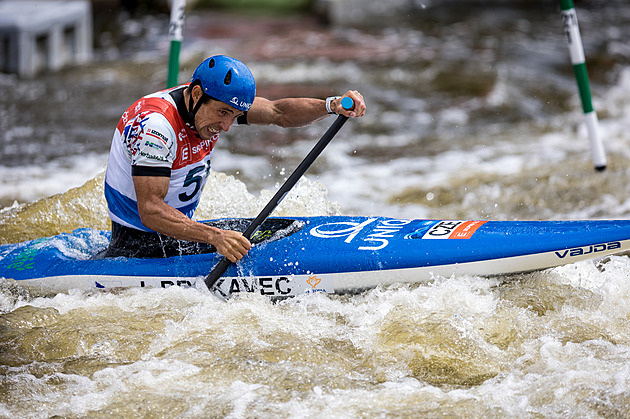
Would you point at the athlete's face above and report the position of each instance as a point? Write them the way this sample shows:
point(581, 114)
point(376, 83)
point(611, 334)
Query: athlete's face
point(214, 117)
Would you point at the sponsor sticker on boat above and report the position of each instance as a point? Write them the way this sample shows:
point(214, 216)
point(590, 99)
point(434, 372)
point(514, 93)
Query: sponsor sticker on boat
point(453, 230)
point(318, 284)
point(25, 259)
point(375, 235)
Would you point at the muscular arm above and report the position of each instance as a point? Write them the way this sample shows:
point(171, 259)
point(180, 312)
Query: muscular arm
point(297, 112)
point(161, 217)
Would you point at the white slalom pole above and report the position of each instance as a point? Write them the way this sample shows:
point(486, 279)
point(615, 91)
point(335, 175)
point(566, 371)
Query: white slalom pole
point(576, 50)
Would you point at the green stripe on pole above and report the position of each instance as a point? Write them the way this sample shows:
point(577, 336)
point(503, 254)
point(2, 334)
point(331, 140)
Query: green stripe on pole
point(581, 76)
point(566, 4)
point(173, 64)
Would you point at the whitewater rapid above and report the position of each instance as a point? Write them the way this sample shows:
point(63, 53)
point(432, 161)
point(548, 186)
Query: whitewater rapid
point(472, 114)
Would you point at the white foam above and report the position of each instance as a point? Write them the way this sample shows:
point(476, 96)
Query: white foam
point(30, 183)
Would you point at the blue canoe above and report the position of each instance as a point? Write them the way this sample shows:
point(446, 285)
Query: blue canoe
point(330, 254)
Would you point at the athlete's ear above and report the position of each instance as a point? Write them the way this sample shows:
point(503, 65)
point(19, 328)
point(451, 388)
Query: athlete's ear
point(197, 92)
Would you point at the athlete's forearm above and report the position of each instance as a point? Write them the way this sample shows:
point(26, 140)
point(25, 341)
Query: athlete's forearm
point(170, 222)
point(297, 112)
point(290, 112)
point(164, 219)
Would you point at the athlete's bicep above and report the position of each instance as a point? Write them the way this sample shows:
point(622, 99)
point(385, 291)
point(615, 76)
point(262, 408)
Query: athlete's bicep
point(262, 112)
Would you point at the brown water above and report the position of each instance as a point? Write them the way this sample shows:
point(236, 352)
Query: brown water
point(473, 114)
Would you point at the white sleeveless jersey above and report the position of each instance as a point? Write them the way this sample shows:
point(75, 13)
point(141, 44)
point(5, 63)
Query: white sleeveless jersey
point(152, 137)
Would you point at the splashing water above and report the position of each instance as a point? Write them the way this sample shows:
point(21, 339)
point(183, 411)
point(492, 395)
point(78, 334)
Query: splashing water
point(472, 113)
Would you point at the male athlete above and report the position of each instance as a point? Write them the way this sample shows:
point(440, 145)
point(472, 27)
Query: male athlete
point(160, 157)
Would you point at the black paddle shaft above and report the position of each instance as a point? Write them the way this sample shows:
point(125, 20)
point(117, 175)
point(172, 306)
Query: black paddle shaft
point(224, 263)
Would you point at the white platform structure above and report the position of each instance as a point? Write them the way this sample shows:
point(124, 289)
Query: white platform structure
point(38, 36)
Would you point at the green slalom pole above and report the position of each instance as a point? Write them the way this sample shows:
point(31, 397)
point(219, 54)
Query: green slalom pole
point(176, 34)
point(576, 50)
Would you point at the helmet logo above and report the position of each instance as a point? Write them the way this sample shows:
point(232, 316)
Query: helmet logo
point(228, 78)
point(240, 104)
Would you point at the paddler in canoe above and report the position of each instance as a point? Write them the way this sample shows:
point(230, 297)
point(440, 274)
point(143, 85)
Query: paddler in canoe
point(160, 157)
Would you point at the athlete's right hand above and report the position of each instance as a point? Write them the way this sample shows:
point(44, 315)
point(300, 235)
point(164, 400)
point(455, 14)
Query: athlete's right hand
point(231, 244)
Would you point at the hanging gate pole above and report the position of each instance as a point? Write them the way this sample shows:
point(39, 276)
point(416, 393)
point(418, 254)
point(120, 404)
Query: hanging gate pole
point(576, 50)
point(176, 34)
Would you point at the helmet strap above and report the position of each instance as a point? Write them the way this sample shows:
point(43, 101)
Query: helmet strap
point(193, 108)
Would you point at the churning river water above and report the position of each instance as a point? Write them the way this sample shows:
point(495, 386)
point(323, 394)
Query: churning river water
point(473, 113)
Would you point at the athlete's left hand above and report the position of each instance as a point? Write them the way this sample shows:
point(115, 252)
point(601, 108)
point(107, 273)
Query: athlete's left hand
point(357, 111)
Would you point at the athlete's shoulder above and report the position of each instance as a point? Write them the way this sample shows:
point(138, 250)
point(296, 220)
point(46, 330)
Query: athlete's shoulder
point(158, 103)
point(162, 94)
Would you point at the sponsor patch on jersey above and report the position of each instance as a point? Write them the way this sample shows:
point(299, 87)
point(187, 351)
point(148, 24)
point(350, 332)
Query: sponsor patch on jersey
point(453, 229)
point(152, 156)
point(158, 134)
point(153, 145)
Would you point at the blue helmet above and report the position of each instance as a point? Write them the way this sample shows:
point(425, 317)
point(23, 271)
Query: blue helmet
point(228, 80)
